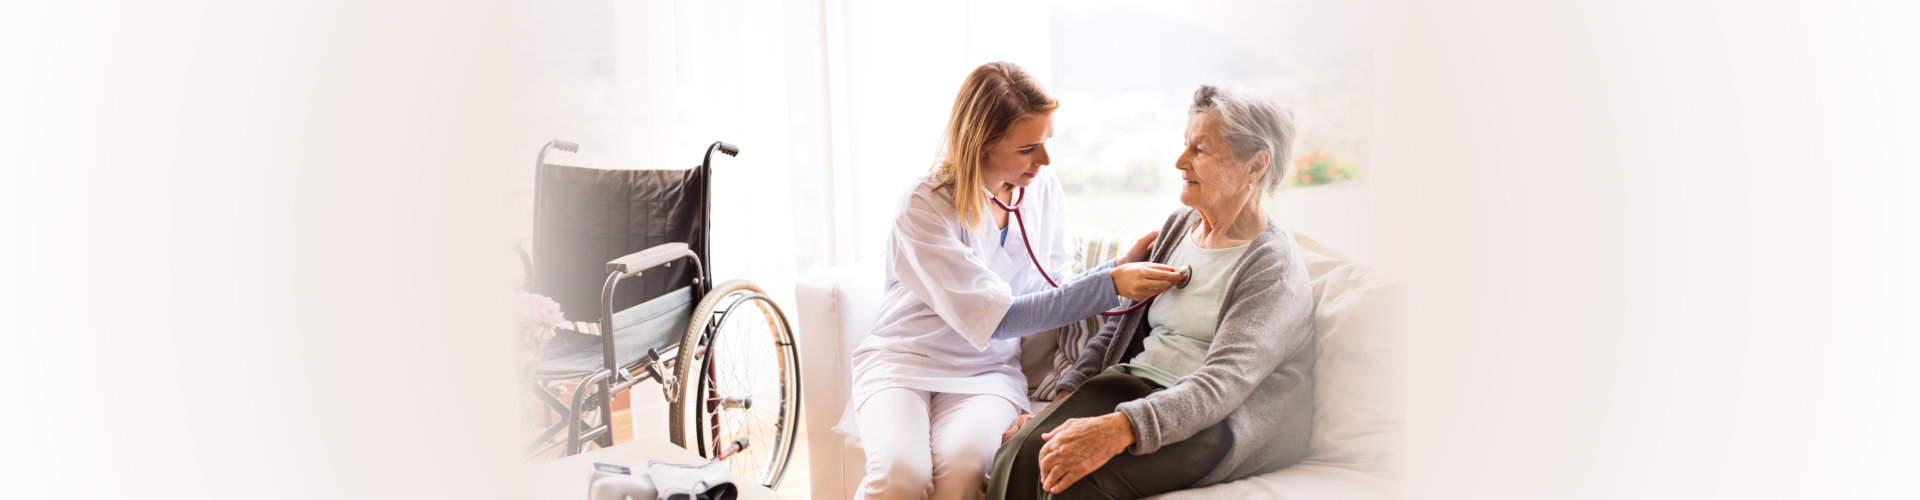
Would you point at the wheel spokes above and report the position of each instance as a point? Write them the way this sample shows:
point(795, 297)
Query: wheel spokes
point(747, 390)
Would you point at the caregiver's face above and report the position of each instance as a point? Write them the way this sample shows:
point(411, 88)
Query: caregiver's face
point(1017, 157)
point(1211, 172)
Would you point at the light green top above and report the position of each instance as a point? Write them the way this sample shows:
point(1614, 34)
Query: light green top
point(1183, 319)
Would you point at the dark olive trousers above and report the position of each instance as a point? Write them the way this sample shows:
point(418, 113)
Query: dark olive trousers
point(1016, 467)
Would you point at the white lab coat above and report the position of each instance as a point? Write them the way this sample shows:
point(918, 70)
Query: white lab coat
point(947, 288)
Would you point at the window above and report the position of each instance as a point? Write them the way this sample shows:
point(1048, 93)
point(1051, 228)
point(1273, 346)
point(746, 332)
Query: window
point(1125, 73)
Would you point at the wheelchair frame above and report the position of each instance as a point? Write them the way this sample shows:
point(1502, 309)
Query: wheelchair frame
point(594, 391)
point(653, 365)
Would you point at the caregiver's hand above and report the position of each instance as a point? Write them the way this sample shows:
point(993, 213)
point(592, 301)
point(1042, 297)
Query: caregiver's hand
point(1080, 446)
point(1018, 422)
point(1140, 249)
point(1141, 280)
point(1022, 420)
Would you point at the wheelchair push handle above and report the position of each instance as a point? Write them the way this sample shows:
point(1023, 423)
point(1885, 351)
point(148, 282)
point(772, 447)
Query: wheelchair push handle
point(723, 147)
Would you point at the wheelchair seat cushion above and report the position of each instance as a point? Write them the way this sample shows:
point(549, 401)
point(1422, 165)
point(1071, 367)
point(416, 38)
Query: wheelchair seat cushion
point(656, 323)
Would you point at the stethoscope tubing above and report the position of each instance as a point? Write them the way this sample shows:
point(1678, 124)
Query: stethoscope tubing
point(1019, 199)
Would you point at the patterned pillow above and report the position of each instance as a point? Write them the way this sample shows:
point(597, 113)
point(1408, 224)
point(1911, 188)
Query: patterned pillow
point(1090, 248)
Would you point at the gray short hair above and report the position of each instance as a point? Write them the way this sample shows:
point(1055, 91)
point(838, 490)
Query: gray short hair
point(1251, 125)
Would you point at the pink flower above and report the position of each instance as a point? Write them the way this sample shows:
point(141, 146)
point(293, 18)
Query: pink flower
point(541, 316)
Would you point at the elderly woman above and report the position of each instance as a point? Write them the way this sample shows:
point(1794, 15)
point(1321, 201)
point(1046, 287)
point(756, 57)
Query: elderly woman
point(1210, 383)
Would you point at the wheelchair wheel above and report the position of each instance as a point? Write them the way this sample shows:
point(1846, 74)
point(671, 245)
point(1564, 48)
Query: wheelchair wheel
point(739, 378)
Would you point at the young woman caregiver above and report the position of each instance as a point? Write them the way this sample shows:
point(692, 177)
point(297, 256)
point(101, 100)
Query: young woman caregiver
point(938, 379)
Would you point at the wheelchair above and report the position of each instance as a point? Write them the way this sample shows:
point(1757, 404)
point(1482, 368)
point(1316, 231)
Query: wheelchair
point(631, 246)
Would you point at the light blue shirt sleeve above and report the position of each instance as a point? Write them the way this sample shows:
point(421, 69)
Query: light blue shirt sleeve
point(1081, 297)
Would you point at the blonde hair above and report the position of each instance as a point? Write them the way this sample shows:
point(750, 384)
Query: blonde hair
point(994, 96)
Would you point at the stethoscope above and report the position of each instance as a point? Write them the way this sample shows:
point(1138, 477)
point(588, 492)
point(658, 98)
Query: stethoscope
point(1020, 196)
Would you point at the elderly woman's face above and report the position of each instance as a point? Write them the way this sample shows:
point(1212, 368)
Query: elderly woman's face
point(1213, 175)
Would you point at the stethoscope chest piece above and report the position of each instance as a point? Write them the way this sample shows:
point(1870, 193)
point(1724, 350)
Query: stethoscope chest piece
point(1186, 272)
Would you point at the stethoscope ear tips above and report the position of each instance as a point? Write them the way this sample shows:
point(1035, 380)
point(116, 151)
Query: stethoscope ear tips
point(1186, 275)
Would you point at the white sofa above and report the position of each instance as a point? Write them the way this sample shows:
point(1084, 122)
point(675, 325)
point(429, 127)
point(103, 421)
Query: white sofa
point(1353, 449)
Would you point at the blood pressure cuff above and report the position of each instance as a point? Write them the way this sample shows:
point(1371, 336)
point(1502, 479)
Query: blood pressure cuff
point(711, 481)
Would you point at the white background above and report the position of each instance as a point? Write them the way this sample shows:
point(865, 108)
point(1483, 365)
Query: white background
point(1653, 249)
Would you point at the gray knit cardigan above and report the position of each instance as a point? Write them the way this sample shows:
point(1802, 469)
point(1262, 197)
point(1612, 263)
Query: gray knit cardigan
point(1257, 375)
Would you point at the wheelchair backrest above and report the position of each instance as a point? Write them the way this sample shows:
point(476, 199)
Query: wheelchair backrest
point(584, 217)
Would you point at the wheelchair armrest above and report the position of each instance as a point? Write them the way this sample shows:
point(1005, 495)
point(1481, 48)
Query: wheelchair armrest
point(650, 258)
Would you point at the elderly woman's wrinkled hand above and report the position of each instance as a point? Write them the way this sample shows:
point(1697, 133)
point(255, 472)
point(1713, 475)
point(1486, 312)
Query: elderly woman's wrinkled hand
point(1141, 280)
point(1080, 446)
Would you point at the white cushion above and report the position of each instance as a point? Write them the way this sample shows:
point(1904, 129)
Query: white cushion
point(1299, 482)
point(1355, 396)
point(836, 308)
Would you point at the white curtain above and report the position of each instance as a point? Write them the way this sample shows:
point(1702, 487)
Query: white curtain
point(894, 68)
point(836, 105)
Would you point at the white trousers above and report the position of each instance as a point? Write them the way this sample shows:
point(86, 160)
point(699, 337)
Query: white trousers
point(930, 445)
